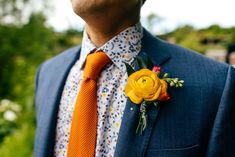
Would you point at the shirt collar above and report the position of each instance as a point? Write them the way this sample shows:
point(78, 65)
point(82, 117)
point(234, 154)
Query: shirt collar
point(124, 47)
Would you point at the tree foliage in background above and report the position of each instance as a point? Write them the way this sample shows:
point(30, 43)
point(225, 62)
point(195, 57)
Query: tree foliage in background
point(153, 20)
point(200, 40)
point(22, 49)
point(11, 10)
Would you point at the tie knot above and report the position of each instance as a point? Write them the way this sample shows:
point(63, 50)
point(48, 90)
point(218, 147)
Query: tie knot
point(94, 63)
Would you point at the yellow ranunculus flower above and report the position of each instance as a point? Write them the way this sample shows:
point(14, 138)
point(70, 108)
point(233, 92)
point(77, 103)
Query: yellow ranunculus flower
point(143, 85)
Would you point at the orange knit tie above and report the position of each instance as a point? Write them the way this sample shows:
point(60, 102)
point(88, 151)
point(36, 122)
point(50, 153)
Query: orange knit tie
point(82, 140)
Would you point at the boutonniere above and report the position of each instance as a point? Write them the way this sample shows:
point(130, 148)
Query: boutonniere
point(148, 86)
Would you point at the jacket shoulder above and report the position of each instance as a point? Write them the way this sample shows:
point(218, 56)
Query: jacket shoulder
point(193, 61)
point(191, 66)
point(179, 56)
point(61, 61)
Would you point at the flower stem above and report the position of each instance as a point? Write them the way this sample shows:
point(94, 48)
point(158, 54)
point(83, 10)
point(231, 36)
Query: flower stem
point(142, 118)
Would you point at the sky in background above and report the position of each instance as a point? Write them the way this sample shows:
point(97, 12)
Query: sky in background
point(174, 13)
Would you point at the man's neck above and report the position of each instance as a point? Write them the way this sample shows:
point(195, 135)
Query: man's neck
point(102, 29)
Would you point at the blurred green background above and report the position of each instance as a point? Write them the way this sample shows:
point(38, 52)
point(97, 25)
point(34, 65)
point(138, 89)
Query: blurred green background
point(25, 42)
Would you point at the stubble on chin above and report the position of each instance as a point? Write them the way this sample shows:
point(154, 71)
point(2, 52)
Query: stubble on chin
point(89, 7)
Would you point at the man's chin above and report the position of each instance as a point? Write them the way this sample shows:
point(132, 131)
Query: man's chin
point(91, 7)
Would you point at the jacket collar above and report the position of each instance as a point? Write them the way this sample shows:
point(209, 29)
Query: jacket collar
point(155, 48)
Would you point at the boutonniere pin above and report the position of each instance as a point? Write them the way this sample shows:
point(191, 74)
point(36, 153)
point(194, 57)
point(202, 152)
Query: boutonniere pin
point(148, 86)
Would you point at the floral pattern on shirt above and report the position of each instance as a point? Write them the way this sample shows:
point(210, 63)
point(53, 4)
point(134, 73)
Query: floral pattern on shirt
point(111, 100)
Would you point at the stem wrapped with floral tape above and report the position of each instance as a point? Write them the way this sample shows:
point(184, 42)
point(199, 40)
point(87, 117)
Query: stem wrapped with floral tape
point(142, 118)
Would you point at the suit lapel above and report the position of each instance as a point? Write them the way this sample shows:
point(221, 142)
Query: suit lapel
point(50, 100)
point(129, 143)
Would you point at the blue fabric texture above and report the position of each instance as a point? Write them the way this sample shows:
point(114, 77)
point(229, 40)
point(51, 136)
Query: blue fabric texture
point(198, 121)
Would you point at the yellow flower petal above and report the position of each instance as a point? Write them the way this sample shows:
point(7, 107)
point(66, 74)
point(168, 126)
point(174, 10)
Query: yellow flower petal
point(156, 95)
point(127, 89)
point(135, 99)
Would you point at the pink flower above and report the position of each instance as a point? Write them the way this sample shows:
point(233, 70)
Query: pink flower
point(156, 69)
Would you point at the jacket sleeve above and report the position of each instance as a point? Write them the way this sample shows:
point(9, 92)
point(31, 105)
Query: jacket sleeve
point(222, 139)
point(36, 85)
point(37, 79)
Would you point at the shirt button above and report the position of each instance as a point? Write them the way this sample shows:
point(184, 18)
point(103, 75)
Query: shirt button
point(132, 109)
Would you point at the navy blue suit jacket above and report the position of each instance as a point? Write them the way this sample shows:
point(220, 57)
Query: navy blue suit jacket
point(198, 121)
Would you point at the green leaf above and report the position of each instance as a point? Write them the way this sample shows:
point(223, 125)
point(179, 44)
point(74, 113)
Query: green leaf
point(129, 69)
point(168, 80)
point(141, 63)
point(149, 63)
point(175, 80)
point(181, 81)
point(165, 75)
point(155, 104)
point(172, 84)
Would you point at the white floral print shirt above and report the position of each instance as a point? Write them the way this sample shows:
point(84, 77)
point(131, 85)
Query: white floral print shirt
point(111, 100)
